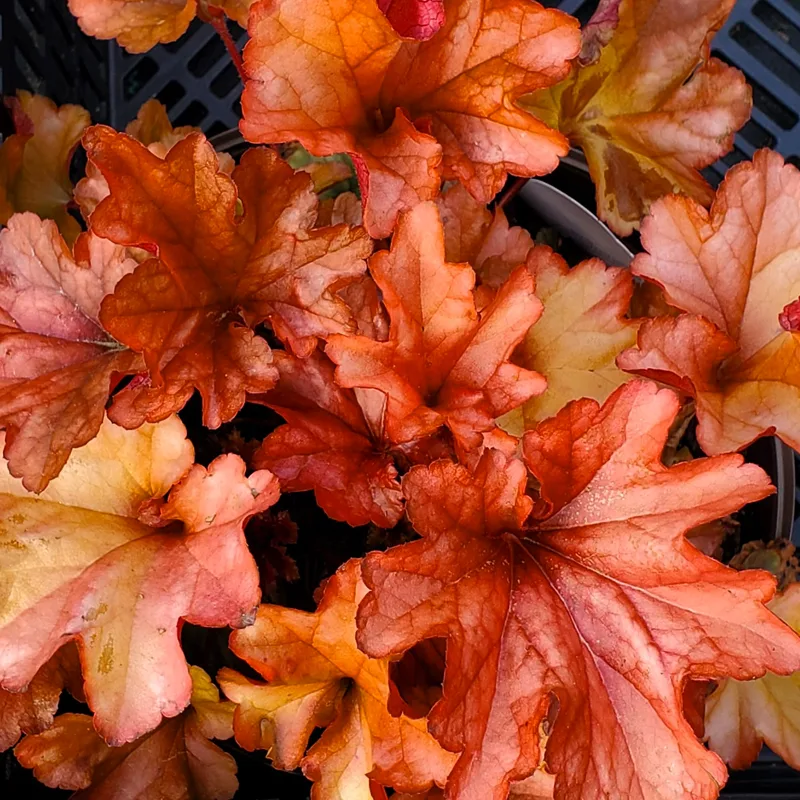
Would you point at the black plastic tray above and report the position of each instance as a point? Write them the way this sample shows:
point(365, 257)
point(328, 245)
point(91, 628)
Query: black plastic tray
point(43, 50)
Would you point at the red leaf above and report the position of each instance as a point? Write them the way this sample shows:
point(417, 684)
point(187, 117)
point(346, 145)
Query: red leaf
point(78, 563)
point(185, 309)
point(57, 365)
point(789, 318)
point(414, 19)
point(327, 446)
point(603, 608)
point(732, 269)
point(459, 89)
point(317, 677)
point(443, 363)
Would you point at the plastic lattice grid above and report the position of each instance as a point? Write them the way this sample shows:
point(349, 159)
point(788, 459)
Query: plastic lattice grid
point(42, 49)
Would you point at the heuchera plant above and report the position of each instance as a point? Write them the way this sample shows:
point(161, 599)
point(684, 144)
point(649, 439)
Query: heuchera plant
point(529, 469)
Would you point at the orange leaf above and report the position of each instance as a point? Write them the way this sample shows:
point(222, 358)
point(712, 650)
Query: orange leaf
point(734, 266)
point(579, 335)
point(32, 710)
point(34, 162)
point(651, 108)
point(327, 446)
point(176, 760)
point(214, 273)
point(317, 677)
point(58, 365)
point(443, 364)
point(741, 717)
point(399, 106)
point(139, 25)
point(601, 607)
point(484, 239)
point(76, 563)
point(154, 130)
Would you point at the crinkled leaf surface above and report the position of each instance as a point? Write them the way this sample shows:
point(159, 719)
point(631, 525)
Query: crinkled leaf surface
point(582, 330)
point(741, 716)
point(152, 127)
point(214, 273)
point(414, 19)
point(76, 563)
point(175, 761)
point(734, 269)
point(335, 76)
point(653, 109)
point(484, 239)
point(327, 446)
point(317, 677)
point(444, 364)
point(139, 25)
point(597, 603)
point(34, 162)
point(33, 710)
point(57, 365)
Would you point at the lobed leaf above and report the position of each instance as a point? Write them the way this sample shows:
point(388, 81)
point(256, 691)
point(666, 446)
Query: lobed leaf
point(139, 25)
point(649, 108)
point(444, 364)
point(733, 270)
point(215, 273)
point(34, 161)
point(741, 716)
point(338, 78)
point(33, 710)
point(583, 328)
point(596, 607)
point(327, 446)
point(79, 563)
point(317, 677)
point(58, 365)
point(176, 760)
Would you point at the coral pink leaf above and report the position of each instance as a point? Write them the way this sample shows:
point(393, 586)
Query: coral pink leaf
point(58, 366)
point(601, 609)
point(126, 585)
point(734, 269)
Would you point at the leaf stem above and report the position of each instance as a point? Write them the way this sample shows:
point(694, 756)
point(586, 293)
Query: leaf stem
point(511, 192)
point(220, 25)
